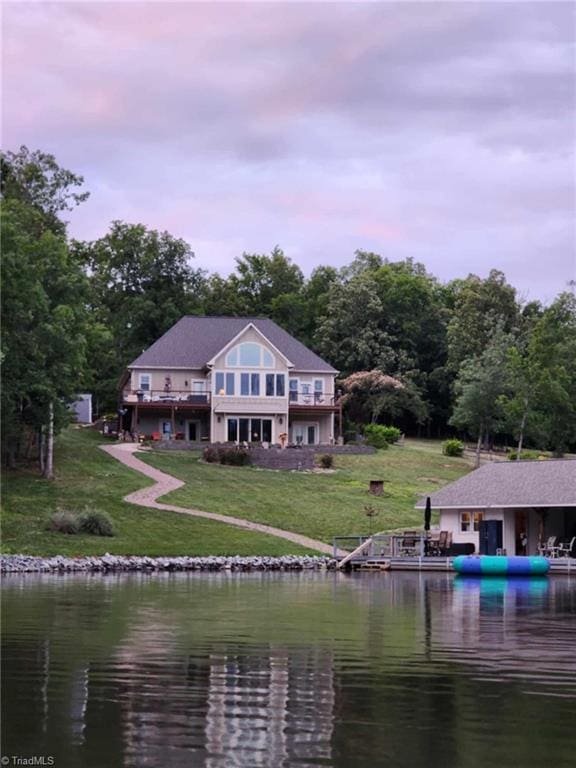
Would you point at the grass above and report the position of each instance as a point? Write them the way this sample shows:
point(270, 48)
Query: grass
point(86, 476)
point(318, 505)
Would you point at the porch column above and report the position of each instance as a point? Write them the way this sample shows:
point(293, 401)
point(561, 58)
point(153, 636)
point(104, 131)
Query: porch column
point(173, 420)
point(134, 428)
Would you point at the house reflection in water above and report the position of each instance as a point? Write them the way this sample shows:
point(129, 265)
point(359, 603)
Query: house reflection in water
point(263, 710)
point(228, 709)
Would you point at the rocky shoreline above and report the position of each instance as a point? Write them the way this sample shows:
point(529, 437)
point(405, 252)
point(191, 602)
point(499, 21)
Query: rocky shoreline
point(121, 563)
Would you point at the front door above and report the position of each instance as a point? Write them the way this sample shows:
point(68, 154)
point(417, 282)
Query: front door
point(193, 431)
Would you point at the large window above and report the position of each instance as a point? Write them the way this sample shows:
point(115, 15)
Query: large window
point(249, 355)
point(247, 430)
point(250, 384)
point(224, 383)
point(470, 521)
point(275, 385)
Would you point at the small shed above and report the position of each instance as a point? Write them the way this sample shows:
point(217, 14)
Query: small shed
point(82, 408)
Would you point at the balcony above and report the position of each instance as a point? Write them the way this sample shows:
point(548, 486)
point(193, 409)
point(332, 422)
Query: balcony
point(159, 397)
point(305, 400)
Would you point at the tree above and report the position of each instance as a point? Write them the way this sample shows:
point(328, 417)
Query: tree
point(350, 335)
point(141, 283)
point(43, 330)
point(370, 395)
point(36, 180)
point(479, 388)
point(480, 307)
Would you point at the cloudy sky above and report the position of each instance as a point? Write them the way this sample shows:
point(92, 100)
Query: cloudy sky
point(442, 131)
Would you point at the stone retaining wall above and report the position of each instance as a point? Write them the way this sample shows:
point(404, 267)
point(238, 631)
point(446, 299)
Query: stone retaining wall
point(120, 563)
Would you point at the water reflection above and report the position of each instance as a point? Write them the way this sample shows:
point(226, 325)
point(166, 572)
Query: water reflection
point(306, 670)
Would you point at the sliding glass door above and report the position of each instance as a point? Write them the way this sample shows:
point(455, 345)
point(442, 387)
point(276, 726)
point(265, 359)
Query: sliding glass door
point(248, 430)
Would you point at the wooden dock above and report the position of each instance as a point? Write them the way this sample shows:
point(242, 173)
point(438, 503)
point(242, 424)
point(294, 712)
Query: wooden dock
point(376, 553)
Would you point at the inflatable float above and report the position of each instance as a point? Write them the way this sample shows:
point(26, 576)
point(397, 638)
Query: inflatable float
point(500, 565)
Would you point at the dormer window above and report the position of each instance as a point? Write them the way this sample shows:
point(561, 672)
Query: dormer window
point(249, 355)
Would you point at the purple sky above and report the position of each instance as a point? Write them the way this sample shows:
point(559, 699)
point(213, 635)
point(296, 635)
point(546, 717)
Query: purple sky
point(442, 131)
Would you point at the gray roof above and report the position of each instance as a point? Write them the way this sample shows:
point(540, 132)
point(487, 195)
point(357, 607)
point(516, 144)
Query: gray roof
point(194, 340)
point(550, 483)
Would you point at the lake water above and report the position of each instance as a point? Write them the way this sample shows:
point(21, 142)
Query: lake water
point(224, 670)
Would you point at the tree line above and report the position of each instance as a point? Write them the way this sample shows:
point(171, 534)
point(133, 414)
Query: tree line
point(466, 356)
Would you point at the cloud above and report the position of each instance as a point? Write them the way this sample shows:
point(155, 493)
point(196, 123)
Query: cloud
point(443, 131)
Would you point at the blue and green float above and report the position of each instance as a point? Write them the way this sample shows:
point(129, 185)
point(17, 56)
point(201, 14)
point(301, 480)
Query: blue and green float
point(500, 565)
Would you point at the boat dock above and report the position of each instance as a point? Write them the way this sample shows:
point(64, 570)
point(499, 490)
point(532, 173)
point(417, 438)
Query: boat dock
point(383, 552)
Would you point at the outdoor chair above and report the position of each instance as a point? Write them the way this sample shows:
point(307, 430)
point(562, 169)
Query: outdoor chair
point(564, 548)
point(549, 548)
point(410, 546)
point(443, 543)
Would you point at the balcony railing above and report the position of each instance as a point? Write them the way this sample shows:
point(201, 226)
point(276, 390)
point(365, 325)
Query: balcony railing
point(171, 397)
point(304, 397)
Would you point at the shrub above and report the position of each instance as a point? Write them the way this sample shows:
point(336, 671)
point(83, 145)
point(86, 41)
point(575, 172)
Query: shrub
point(237, 457)
point(527, 455)
point(64, 522)
point(392, 434)
point(326, 461)
point(96, 523)
point(211, 454)
point(376, 435)
point(453, 448)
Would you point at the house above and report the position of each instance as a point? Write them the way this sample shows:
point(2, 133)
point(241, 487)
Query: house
point(512, 505)
point(222, 379)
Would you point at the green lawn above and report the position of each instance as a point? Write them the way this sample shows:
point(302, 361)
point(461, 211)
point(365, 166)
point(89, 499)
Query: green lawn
point(318, 505)
point(88, 476)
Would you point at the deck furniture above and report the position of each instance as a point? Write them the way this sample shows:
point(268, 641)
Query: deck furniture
point(548, 549)
point(439, 546)
point(565, 547)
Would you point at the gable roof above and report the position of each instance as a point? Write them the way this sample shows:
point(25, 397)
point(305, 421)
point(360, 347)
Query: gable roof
point(550, 483)
point(195, 340)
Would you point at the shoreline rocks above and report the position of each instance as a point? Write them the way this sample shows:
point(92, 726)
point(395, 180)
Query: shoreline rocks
point(130, 564)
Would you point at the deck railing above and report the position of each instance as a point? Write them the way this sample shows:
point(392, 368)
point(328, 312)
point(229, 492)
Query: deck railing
point(305, 397)
point(384, 544)
point(168, 397)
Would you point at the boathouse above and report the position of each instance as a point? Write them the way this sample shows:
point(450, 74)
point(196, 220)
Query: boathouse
point(512, 507)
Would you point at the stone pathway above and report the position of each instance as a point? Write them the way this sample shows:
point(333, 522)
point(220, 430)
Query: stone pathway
point(164, 483)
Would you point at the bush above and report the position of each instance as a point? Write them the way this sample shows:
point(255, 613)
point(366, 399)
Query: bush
point(64, 522)
point(95, 523)
point(211, 454)
point(527, 455)
point(326, 461)
point(453, 448)
point(236, 457)
point(226, 454)
point(376, 435)
point(392, 434)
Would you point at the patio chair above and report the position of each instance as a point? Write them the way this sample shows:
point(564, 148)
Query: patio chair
point(564, 548)
point(444, 542)
point(549, 548)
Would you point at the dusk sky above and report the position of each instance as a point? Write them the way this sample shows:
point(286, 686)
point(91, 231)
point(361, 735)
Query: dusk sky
point(442, 131)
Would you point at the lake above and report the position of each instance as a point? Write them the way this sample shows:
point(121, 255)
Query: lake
point(318, 669)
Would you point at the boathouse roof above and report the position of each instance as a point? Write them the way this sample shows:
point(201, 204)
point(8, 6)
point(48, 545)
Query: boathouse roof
point(546, 483)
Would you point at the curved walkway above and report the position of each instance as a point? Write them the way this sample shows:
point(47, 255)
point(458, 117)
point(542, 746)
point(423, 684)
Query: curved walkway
point(164, 483)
